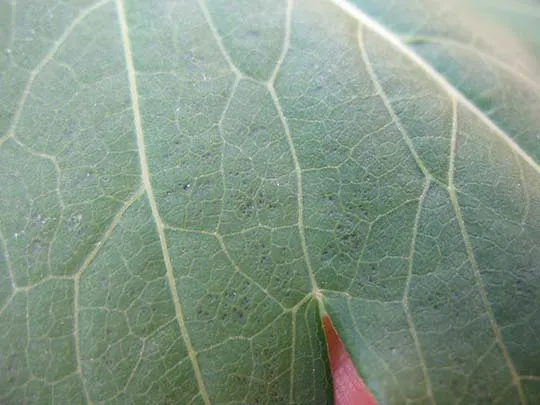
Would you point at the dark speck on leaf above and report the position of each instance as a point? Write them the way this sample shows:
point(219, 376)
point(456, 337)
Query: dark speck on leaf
point(36, 246)
point(252, 34)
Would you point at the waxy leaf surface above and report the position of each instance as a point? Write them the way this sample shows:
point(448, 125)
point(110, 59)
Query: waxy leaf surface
point(183, 183)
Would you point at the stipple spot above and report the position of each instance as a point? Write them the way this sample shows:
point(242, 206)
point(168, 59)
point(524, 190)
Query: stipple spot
point(349, 389)
point(36, 247)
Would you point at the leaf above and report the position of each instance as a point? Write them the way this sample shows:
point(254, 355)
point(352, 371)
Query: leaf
point(183, 183)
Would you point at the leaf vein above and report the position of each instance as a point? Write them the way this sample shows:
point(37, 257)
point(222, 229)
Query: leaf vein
point(77, 280)
point(9, 267)
point(107, 234)
point(243, 274)
point(223, 146)
point(405, 300)
point(392, 38)
point(286, 42)
point(299, 192)
point(471, 48)
point(219, 39)
point(293, 356)
point(372, 350)
point(474, 265)
point(388, 104)
point(46, 59)
point(145, 176)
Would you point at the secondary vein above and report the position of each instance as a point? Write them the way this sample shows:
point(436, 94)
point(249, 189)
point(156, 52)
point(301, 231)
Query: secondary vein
point(389, 36)
point(474, 265)
point(298, 170)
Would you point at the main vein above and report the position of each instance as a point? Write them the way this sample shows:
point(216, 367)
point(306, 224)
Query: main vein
point(297, 169)
point(145, 175)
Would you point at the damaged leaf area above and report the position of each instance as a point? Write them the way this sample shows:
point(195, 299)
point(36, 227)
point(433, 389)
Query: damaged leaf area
point(183, 184)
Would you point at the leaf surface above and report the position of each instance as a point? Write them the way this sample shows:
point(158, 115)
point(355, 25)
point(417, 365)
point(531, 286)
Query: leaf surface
point(184, 183)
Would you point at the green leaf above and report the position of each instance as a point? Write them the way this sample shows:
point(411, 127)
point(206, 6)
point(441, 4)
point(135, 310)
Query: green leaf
point(184, 183)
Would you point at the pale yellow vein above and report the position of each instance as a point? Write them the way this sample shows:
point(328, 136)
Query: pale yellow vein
point(188, 230)
point(218, 39)
point(531, 377)
point(388, 104)
point(453, 145)
point(300, 192)
point(77, 338)
point(243, 274)
point(46, 59)
point(145, 175)
point(293, 356)
point(286, 42)
point(12, 22)
point(312, 350)
point(294, 155)
point(112, 226)
point(393, 39)
point(223, 146)
point(383, 362)
point(8, 302)
point(474, 265)
point(525, 189)
point(135, 367)
point(412, 39)
point(8, 260)
point(77, 280)
point(54, 161)
point(405, 300)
